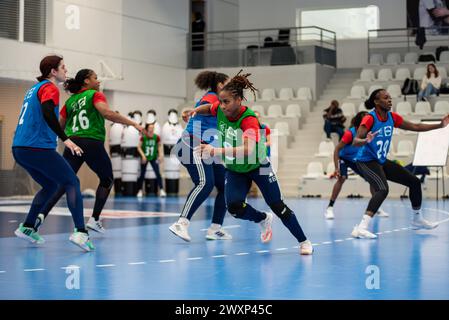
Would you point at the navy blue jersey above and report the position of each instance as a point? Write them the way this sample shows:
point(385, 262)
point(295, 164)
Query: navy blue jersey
point(32, 129)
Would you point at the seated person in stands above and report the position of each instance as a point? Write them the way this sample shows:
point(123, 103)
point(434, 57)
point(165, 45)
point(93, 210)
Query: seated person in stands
point(334, 120)
point(430, 84)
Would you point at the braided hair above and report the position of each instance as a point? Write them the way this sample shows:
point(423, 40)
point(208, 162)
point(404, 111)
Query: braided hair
point(370, 104)
point(239, 83)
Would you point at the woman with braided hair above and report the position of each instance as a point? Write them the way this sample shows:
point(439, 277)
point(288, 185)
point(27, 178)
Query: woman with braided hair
point(205, 176)
point(243, 150)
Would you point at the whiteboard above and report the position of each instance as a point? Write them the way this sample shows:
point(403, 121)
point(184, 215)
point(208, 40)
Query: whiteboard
point(432, 147)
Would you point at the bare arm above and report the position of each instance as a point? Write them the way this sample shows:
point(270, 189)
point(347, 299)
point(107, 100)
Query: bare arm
point(62, 122)
point(244, 150)
point(363, 137)
point(418, 127)
point(337, 150)
point(113, 116)
point(142, 154)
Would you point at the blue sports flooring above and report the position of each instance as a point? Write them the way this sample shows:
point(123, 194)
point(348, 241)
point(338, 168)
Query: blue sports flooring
point(139, 258)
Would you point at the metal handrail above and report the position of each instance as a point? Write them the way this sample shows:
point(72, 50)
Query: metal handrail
point(406, 37)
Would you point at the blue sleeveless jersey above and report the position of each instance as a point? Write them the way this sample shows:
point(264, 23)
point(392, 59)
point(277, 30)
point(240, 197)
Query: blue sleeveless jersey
point(349, 152)
point(32, 130)
point(200, 123)
point(378, 148)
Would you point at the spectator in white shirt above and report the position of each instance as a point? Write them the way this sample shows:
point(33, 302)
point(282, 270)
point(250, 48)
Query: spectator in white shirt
point(430, 84)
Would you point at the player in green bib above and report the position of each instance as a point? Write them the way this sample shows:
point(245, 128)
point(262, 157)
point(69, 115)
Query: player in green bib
point(83, 119)
point(150, 150)
point(244, 154)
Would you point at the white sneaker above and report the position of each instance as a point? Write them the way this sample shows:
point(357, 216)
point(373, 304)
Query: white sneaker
point(305, 248)
point(180, 229)
point(95, 225)
point(329, 214)
point(265, 226)
point(140, 194)
point(162, 193)
point(362, 233)
point(420, 223)
point(382, 213)
point(82, 240)
point(218, 234)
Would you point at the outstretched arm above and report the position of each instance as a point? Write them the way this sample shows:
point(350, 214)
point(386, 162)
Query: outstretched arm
point(406, 125)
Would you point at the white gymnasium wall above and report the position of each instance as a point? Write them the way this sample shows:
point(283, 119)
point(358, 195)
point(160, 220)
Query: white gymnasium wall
point(255, 14)
point(142, 41)
point(222, 15)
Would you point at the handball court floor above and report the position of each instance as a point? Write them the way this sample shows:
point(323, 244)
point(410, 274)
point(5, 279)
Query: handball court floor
point(139, 258)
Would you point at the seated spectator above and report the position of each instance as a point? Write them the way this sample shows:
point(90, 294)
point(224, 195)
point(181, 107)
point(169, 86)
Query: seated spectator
point(334, 120)
point(430, 84)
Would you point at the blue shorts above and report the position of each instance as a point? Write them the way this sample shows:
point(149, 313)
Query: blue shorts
point(345, 164)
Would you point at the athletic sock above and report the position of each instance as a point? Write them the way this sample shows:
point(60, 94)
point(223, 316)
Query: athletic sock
point(416, 214)
point(184, 221)
point(365, 221)
point(215, 226)
point(331, 203)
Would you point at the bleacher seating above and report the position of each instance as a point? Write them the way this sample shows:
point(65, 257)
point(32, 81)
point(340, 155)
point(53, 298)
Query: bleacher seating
point(385, 75)
point(348, 109)
point(268, 94)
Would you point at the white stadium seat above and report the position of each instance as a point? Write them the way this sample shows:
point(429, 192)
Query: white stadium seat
point(357, 92)
point(394, 90)
point(441, 107)
point(362, 107)
point(348, 109)
point(285, 94)
point(419, 73)
point(393, 58)
point(422, 108)
point(367, 75)
point(314, 170)
point(268, 94)
point(293, 110)
point(275, 111)
point(376, 58)
point(304, 93)
point(404, 108)
point(411, 58)
point(259, 108)
point(444, 57)
point(325, 149)
point(282, 128)
point(402, 74)
point(385, 75)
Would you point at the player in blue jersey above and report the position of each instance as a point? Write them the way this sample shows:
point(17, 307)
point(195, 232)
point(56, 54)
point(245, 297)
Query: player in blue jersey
point(344, 155)
point(374, 136)
point(34, 148)
point(205, 175)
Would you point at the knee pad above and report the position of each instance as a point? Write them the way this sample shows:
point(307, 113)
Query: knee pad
point(237, 209)
point(281, 210)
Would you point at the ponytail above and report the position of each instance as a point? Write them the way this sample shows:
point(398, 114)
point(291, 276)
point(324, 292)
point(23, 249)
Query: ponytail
point(370, 104)
point(74, 85)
